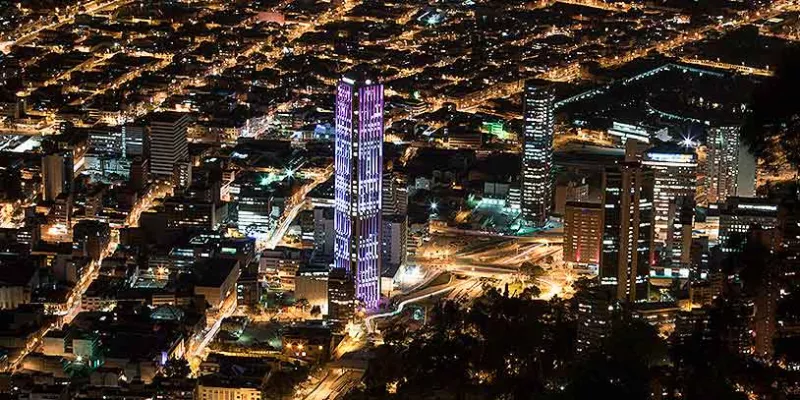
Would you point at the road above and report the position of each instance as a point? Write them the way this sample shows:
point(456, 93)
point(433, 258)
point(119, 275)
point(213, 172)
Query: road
point(196, 347)
point(155, 191)
point(419, 296)
point(288, 217)
point(73, 303)
point(335, 384)
point(28, 36)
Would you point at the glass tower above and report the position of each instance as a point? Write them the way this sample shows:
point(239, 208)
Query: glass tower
point(359, 174)
point(537, 152)
point(722, 163)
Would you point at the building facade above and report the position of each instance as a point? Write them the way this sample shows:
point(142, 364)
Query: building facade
point(395, 238)
point(537, 152)
point(168, 142)
point(679, 231)
point(627, 249)
point(358, 181)
point(56, 175)
point(323, 232)
point(583, 230)
point(675, 174)
point(739, 215)
point(722, 163)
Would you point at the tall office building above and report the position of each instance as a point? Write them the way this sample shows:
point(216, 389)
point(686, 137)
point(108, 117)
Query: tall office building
point(627, 249)
point(675, 173)
point(168, 143)
point(537, 152)
point(358, 179)
point(395, 194)
point(135, 140)
point(389, 196)
point(746, 179)
point(739, 215)
point(679, 231)
point(583, 229)
point(323, 232)
point(107, 139)
point(722, 163)
point(595, 310)
point(56, 175)
point(140, 173)
point(395, 240)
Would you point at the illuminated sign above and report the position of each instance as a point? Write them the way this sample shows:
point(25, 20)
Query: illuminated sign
point(671, 157)
point(758, 207)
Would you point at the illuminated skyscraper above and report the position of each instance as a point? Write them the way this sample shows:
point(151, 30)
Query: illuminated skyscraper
point(722, 163)
point(675, 172)
point(537, 152)
point(359, 174)
point(627, 247)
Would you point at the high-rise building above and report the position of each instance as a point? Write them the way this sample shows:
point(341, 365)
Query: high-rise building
point(739, 215)
point(594, 314)
point(567, 191)
point(679, 231)
point(765, 318)
point(107, 139)
point(746, 180)
point(389, 196)
point(358, 179)
point(395, 194)
point(722, 163)
point(56, 175)
point(135, 140)
point(341, 297)
point(182, 174)
point(537, 152)
point(168, 142)
point(140, 173)
point(61, 213)
point(311, 284)
point(699, 257)
point(323, 232)
point(675, 173)
point(395, 238)
point(583, 230)
point(627, 229)
point(789, 221)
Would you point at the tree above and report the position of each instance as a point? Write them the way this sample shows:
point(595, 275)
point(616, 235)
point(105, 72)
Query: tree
point(281, 384)
point(496, 347)
point(177, 368)
point(302, 304)
point(531, 292)
point(623, 368)
point(316, 311)
point(531, 271)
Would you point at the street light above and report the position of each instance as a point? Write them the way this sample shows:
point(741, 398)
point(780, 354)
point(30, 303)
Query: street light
point(434, 206)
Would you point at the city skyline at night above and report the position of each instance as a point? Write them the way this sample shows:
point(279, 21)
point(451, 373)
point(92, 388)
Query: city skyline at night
point(418, 199)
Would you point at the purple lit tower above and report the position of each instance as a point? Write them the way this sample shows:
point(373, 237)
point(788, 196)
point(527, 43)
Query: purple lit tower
point(359, 172)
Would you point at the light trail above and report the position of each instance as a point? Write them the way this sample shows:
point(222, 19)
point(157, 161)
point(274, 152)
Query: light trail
point(369, 320)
